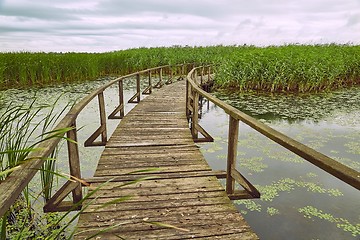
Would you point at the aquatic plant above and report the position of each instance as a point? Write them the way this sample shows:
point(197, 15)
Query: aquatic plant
point(298, 68)
point(295, 68)
point(313, 212)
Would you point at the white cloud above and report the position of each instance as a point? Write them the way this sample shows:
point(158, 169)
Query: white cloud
point(106, 25)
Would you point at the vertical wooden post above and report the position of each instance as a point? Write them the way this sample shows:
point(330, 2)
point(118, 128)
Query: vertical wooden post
point(74, 162)
point(187, 99)
point(202, 75)
point(171, 75)
point(232, 153)
point(161, 77)
point(195, 116)
point(138, 87)
point(121, 98)
point(102, 117)
point(195, 76)
point(183, 70)
point(150, 82)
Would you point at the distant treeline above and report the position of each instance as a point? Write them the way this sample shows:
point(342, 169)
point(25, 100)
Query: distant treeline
point(298, 68)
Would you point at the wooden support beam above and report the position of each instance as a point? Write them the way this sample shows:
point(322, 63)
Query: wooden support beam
point(137, 94)
point(90, 142)
point(160, 83)
point(102, 117)
point(121, 107)
point(74, 162)
point(170, 78)
point(207, 137)
point(53, 204)
point(148, 89)
point(195, 116)
point(239, 178)
point(232, 153)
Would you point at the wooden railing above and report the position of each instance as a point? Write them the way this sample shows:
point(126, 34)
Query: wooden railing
point(194, 91)
point(14, 184)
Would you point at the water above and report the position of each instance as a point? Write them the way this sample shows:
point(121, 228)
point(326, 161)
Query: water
point(299, 201)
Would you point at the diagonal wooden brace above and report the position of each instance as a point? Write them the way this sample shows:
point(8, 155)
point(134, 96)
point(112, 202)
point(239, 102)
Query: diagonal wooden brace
point(90, 142)
point(120, 109)
point(56, 203)
point(206, 138)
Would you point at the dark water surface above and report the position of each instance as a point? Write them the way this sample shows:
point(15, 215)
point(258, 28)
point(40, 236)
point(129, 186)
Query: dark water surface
point(299, 200)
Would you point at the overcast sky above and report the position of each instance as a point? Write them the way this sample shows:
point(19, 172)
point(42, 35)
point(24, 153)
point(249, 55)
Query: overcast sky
point(107, 25)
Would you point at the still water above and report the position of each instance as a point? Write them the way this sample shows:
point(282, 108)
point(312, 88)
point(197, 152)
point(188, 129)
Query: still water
point(299, 201)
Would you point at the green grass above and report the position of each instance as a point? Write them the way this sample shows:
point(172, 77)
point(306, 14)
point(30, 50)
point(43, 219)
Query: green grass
point(296, 68)
point(23, 69)
point(291, 68)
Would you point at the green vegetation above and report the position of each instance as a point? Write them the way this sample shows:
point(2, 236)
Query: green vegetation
point(298, 68)
point(36, 69)
point(312, 212)
point(292, 68)
point(17, 141)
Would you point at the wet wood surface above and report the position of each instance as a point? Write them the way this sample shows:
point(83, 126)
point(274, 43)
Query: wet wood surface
point(169, 188)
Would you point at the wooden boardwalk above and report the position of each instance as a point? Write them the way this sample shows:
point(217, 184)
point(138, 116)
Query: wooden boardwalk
point(182, 191)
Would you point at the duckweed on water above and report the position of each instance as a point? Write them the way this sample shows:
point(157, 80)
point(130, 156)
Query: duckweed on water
point(294, 107)
point(312, 212)
point(254, 164)
point(353, 147)
point(272, 211)
point(270, 192)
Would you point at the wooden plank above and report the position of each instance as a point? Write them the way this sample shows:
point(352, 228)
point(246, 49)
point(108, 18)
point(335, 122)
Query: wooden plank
point(133, 177)
point(105, 171)
point(182, 191)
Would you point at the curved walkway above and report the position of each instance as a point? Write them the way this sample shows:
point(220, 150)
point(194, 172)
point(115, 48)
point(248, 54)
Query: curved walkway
point(179, 198)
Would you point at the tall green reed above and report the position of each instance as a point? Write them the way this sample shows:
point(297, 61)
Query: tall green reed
point(18, 126)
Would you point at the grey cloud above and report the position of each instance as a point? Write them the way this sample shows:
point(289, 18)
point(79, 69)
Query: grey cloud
point(353, 20)
point(35, 11)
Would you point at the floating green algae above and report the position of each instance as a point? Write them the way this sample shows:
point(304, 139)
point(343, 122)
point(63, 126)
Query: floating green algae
point(272, 211)
point(312, 212)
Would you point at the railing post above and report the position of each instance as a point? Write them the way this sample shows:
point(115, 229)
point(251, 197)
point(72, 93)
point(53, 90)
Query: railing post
point(187, 99)
point(121, 98)
point(138, 87)
point(150, 82)
point(121, 107)
point(161, 76)
point(195, 115)
point(232, 153)
point(74, 161)
point(170, 76)
point(102, 117)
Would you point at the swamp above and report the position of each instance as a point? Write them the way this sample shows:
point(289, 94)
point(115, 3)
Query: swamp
point(311, 97)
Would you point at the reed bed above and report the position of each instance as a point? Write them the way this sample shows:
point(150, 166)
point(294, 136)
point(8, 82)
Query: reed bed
point(296, 68)
point(291, 68)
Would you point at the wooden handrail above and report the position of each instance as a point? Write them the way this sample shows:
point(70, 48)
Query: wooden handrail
point(13, 185)
point(344, 173)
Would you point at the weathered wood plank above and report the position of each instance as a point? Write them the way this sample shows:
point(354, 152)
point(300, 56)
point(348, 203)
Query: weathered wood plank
point(182, 191)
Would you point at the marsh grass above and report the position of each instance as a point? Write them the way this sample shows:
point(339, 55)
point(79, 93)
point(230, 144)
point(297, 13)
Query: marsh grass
point(295, 68)
point(19, 125)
